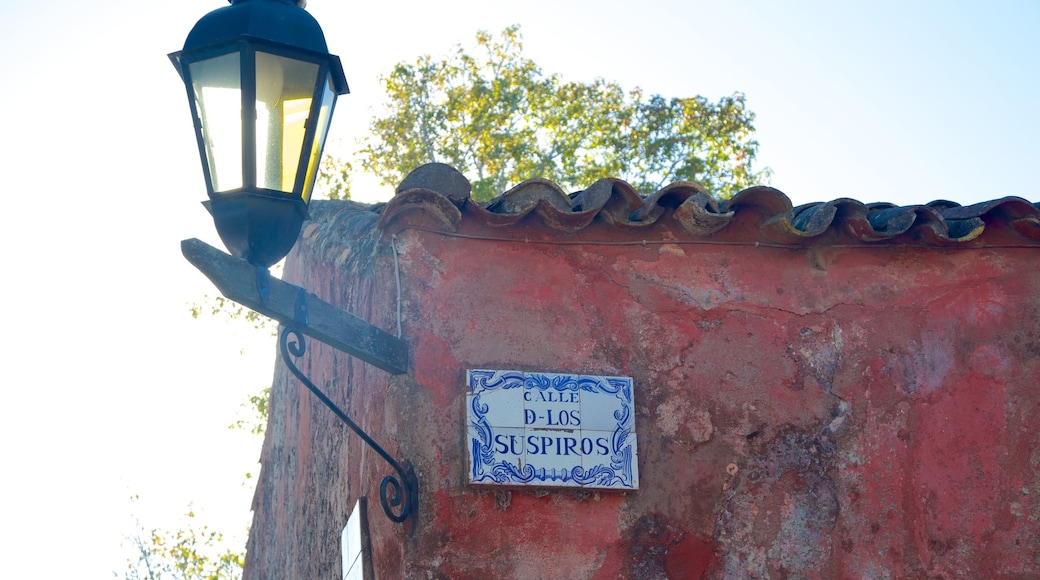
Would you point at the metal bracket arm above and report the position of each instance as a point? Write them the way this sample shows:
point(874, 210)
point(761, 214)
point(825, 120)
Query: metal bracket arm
point(300, 312)
point(395, 492)
point(238, 280)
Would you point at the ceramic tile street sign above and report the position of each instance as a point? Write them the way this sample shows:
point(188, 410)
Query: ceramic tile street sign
point(551, 430)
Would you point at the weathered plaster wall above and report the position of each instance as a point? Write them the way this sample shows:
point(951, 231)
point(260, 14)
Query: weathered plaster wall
point(838, 411)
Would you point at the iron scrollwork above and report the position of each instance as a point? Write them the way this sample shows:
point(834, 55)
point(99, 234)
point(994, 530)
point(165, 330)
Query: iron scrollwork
point(398, 494)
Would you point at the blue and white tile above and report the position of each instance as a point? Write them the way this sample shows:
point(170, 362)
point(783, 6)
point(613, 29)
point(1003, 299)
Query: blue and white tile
point(602, 408)
point(558, 416)
point(486, 380)
point(553, 454)
point(615, 461)
point(620, 387)
point(497, 456)
point(550, 430)
point(499, 408)
point(555, 382)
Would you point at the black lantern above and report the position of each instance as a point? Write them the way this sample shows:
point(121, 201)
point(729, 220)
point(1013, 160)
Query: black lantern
point(262, 87)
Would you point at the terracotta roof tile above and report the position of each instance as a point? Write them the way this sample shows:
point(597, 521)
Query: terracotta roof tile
point(754, 214)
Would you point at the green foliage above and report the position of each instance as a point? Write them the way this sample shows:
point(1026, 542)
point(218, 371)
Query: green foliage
point(192, 553)
point(499, 120)
point(230, 310)
point(256, 407)
point(220, 306)
point(333, 180)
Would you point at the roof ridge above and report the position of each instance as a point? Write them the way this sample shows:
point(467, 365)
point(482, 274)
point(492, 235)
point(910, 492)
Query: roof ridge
point(762, 212)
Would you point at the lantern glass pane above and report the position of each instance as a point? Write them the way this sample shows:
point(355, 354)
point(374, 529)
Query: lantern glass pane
point(328, 101)
point(218, 99)
point(284, 92)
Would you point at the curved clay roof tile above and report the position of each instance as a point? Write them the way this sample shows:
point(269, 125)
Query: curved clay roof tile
point(437, 196)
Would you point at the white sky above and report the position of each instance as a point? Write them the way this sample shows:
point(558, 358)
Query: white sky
point(110, 387)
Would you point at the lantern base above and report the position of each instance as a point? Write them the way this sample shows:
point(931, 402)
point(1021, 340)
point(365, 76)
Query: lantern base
point(260, 229)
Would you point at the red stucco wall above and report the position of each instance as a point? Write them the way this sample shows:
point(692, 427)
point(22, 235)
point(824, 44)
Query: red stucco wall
point(834, 411)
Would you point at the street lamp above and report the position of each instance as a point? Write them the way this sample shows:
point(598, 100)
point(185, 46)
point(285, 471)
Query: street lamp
point(262, 86)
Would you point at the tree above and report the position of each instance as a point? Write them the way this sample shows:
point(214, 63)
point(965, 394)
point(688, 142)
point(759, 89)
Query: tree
point(498, 119)
point(333, 178)
point(192, 553)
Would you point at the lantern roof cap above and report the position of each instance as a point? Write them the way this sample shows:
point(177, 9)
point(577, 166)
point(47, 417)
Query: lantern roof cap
point(280, 21)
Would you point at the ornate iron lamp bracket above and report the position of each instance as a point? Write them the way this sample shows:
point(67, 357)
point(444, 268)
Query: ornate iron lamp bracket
point(398, 494)
point(292, 306)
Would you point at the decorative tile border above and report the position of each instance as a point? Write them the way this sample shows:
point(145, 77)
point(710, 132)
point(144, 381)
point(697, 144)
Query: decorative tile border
point(551, 430)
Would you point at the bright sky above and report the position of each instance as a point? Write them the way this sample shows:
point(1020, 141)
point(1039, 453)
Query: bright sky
point(112, 389)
